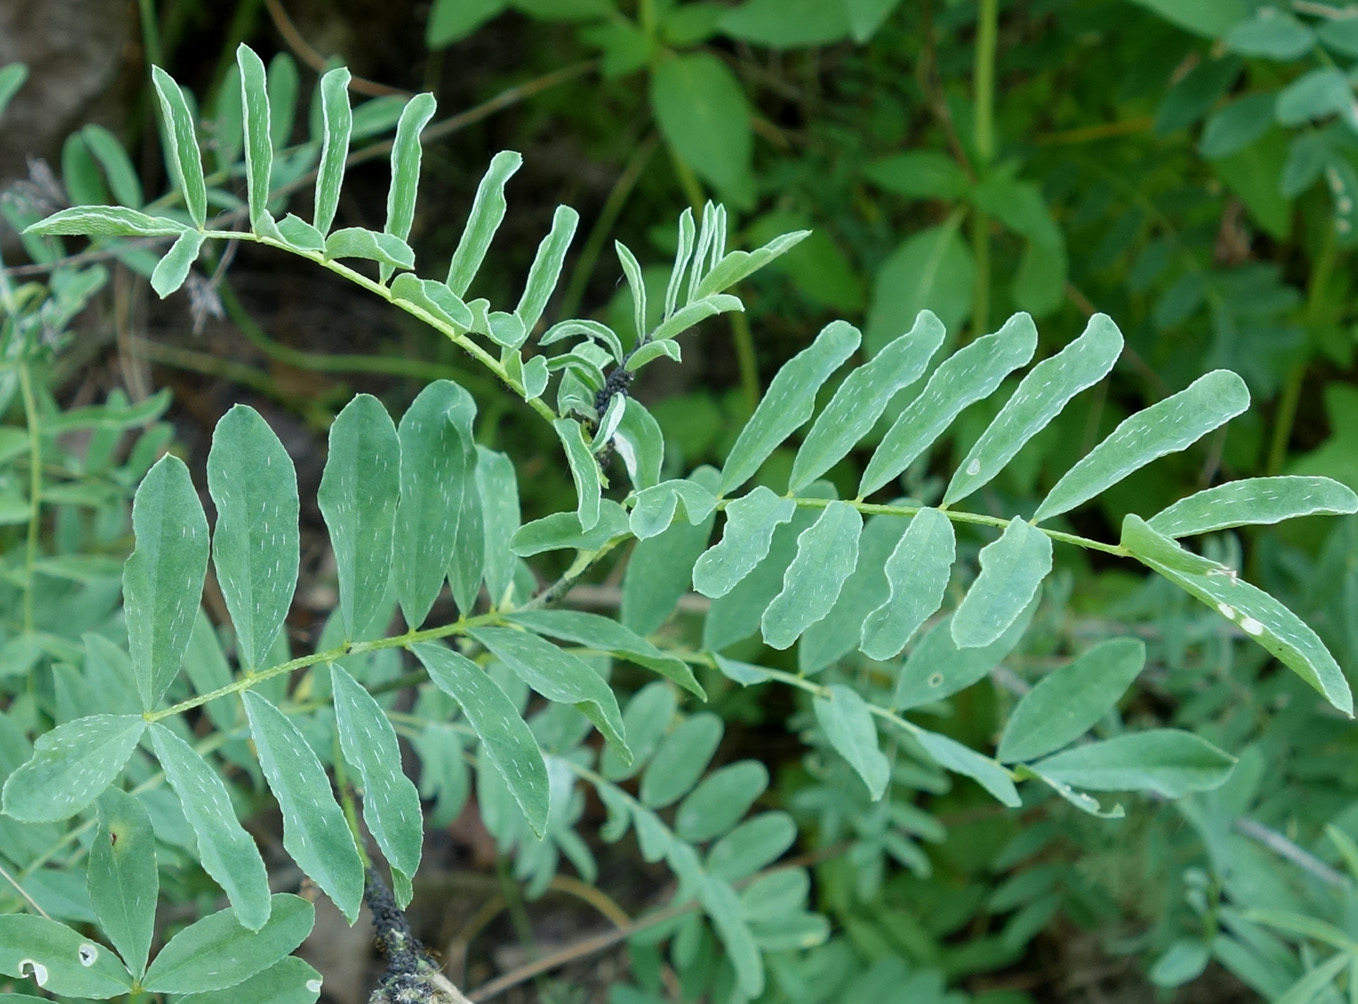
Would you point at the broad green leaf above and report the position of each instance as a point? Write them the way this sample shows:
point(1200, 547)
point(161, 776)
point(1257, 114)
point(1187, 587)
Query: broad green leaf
point(225, 850)
point(681, 760)
point(751, 846)
point(787, 24)
point(558, 676)
point(1258, 614)
point(1039, 398)
point(788, 402)
point(722, 905)
point(847, 723)
point(58, 959)
point(920, 174)
point(452, 20)
point(1071, 700)
point(217, 952)
point(607, 635)
point(505, 737)
point(356, 242)
point(837, 633)
point(499, 491)
point(737, 265)
point(648, 717)
point(1340, 35)
point(105, 221)
point(962, 379)
point(12, 77)
point(654, 508)
point(1237, 125)
point(488, 210)
point(701, 110)
point(1012, 570)
point(255, 547)
point(433, 298)
point(173, 268)
point(1167, 761)
point(1165, 427)
point(964, 760)
point(315, 832)
point(186, 161)
point(1315, 94)
point(254, 94)
point(862, 397)
point(287, 981)
point(562, 530)
point(639, 441)
point(938, 668)
point(1207, 20)
point(1183, 961)
point(299, 234)
point(122, 877)
point(720, 800)
point(1254, 501)
point(584, 470)
point(438, 522)
point(750, 523)
point(358, 496)
point(391, 805)
point(917, 573)
point(405, 168)
point(546, 267)
point(71, 765)
point(338, 119)
point(163, 578)
point(929, 270)
point(827, 553)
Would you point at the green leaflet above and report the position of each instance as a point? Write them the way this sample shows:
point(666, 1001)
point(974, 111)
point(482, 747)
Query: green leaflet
point(255, 547)
point(499, 490)
point(356, 242)
point(405, 169)
point(434, 298)
point(584, 470)
point(488, 210)
point(439, 530)
point(938, 668)
point(1253, 501)
point(558, 676)
point(391, 805)
point(546, 268)
point(58, 959)
point(561, 530)
point(640, 443)
point(722, 905)
point(225, 850)
point(681, 760)
point(106, 221)
point(837, 634)
point(683, 253)
point(962, 379)
point(683, 319)
point(163, 578)
point(505, 737)
point(847, 723)
point(654, 349)
point(751, 846)
point(186, 162)
point(1070, 701)
point(122, 877)
point(71, 765)
point(171, 271)
point(1012, 569)
point(300, 234)
point(1167, 761)
point(827, 553)
point(964, 760)
point(660, 569)
point(737, 265)
point(648, 716)
point(357, 496)
point(315, 832)
point(750, 523)
point(217, 952)
point(1258, 614)
point(917, 574)
point(338, 120)
point(862, 397)
point(1165, 427)
point(1039, 398)
point(720, 800)
point(607, 635)
point(254, 96)
point(654, 507)
point(287, 981)
point(788, 402)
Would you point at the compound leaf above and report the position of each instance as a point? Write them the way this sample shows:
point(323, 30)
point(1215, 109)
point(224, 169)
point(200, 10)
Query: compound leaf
point(315, 832)
point(255, 547)
point(938, 667)
point(163, 578)
point(1165, 427)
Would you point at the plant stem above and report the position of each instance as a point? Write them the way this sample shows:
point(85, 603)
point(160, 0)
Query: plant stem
point(150, 32)
point(34, 488)
point(983, 134)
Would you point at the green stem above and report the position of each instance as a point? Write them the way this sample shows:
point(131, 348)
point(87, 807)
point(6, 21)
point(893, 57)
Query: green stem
point(983, 105)
point(34, 488)
point(150, 32)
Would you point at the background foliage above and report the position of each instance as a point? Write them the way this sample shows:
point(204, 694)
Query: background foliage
point(1189, 174)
